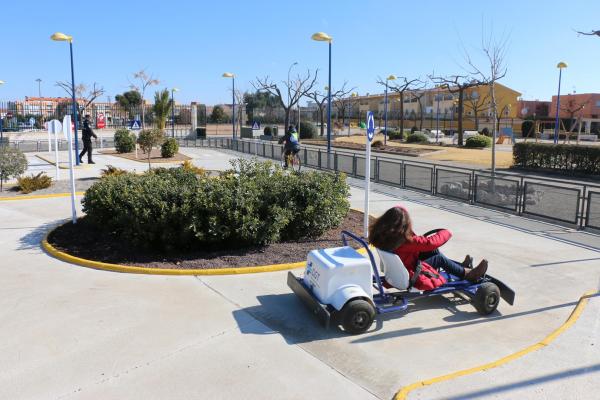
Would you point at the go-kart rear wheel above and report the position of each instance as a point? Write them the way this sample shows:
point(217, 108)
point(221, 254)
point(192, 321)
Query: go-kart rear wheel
point(357, 316)
point(486, 298)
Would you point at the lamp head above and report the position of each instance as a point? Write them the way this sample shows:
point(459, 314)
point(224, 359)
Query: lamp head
point(1, 82)
point(354, 94)
point(61, 37)
point(228, 75)
point(391, 78)
point(561, 65)
point(175, 89)
point(321, 37)
point(326, 88)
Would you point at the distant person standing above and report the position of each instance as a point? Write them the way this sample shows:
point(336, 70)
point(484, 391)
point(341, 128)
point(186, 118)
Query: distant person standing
point(86, 135)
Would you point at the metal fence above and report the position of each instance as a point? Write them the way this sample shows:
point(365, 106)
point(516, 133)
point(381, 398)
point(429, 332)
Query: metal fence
point(571, 204)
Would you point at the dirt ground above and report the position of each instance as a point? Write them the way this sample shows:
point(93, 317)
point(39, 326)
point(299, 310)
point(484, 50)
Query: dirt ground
point(447, 153)
point(155, 156)
point(86, 241)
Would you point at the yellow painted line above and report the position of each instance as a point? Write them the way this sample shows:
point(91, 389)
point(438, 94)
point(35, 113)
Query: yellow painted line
point(39, 196)
point(50, 161)
point(575, 314)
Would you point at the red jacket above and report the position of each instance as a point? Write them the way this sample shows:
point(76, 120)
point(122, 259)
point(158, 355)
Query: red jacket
point(409, 254)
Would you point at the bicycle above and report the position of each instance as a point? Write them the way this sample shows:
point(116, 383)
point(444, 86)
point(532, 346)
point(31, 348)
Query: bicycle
point(293, 161)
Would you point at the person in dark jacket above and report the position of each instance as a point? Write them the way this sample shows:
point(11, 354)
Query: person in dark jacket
point(291, 144)
point(393, 232)
point(86, 136)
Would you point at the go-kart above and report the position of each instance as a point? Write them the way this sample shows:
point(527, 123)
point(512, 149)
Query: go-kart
point(343, 287)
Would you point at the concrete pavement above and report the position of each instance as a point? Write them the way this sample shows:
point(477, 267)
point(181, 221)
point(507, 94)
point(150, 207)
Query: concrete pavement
point(72, 332)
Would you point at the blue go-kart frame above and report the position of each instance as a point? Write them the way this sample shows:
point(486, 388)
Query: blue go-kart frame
point(484, 294)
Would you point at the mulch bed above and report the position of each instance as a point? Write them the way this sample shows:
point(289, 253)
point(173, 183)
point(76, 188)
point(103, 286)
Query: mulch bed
point(62, 186)
point(405, 151)
point(83, 240)
point(155, 156)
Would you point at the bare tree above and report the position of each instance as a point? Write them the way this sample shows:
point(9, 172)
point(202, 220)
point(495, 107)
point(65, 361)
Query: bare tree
point(82, 93)
point(143, 82)
point(401, 86)
point(458, 84)
point(592, 33)
point(572, 107)
point(477, 104)
point(419, 94)
point(320, 98)
point(495, 54)
point(295, 88)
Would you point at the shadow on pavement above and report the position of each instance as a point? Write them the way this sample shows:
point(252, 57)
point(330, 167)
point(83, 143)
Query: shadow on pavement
point(33, 238)
point(526, 383)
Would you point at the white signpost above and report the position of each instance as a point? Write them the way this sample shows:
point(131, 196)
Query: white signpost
point(68, 131)
point(54, 127)
point(370, 134)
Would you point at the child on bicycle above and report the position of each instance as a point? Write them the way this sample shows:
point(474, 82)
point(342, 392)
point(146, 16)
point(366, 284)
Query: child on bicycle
point(291, 143)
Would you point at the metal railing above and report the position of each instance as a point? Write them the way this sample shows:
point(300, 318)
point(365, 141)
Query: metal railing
point(575, 205)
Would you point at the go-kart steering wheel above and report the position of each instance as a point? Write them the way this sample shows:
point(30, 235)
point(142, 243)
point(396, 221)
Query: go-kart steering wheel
point(433, 231)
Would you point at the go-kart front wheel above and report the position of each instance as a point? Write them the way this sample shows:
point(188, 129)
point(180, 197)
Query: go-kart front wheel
point(486, 298)
point(357, 316)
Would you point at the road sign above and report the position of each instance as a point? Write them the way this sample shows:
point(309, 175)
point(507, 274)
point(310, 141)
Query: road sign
point(256, 125)
point(370, 125)
point(100, 123)
point(32, 122)
point(135, 125)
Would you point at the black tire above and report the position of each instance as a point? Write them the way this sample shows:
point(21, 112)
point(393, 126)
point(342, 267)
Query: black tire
point(486, 298)
point(357, 316)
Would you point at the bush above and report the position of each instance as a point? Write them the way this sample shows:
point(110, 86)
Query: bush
point(485, 132)
point(564, 158)
point(478, 141)
point(253, 203)
point(111, 170)
point(31, 183)
point(413, 129)
point(308, 130)
point(417, 138)
point(169, 148)
point(268, 131)
point(148, 139)
point(124, 141)
point(394, 135)
point(377, 144)
point(189, 166)
point(12, 163)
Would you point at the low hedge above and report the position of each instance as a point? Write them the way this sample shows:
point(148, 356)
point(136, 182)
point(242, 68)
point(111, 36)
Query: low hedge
point(564, 158)
point(478, 142)
point(308, 130)
point(417, 138)
point(253, 203)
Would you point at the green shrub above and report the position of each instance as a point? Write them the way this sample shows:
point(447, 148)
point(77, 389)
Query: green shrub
point(31, 183)
point(565, 158)
point(377, 144)
point(124, 141)
point(528, 128)
point(417, 138)
point(478, 141)
point(253, 203)
point(12, 163)
point(169, 148)
point(189, 166)
point(485, 132)
point(268, 131)
point(308, 130)
point(111, 170)
point(394, 135)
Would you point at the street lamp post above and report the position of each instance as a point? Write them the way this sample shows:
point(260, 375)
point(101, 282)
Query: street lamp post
point(61, 37)
point(560, 67)
point(323, 37)
point(232, 76)
point(173, 111)
point(437, 118)
point(1, 134)
point(385, 107)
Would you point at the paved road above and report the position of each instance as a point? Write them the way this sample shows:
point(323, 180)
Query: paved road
point(71, 332)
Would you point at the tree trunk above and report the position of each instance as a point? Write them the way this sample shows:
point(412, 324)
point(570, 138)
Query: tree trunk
point(322, 119)
point(494, 117)
point(286, 121)
point(143, 114)
point(476, 120)
point(460, 116)
point(401, 115)
point(420, 115)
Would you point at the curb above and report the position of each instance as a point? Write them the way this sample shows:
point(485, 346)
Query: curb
point(40, 196)
point(403, 393)
point(51, 250)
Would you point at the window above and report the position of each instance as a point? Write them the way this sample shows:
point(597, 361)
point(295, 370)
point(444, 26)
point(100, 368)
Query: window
point(597, 103)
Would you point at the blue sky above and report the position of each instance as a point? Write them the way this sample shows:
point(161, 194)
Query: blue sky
point(189, 44)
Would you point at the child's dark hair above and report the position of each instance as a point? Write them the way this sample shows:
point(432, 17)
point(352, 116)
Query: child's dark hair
point(391, 230)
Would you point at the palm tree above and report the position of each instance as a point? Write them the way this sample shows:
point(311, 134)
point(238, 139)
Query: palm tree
point(162, 107)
